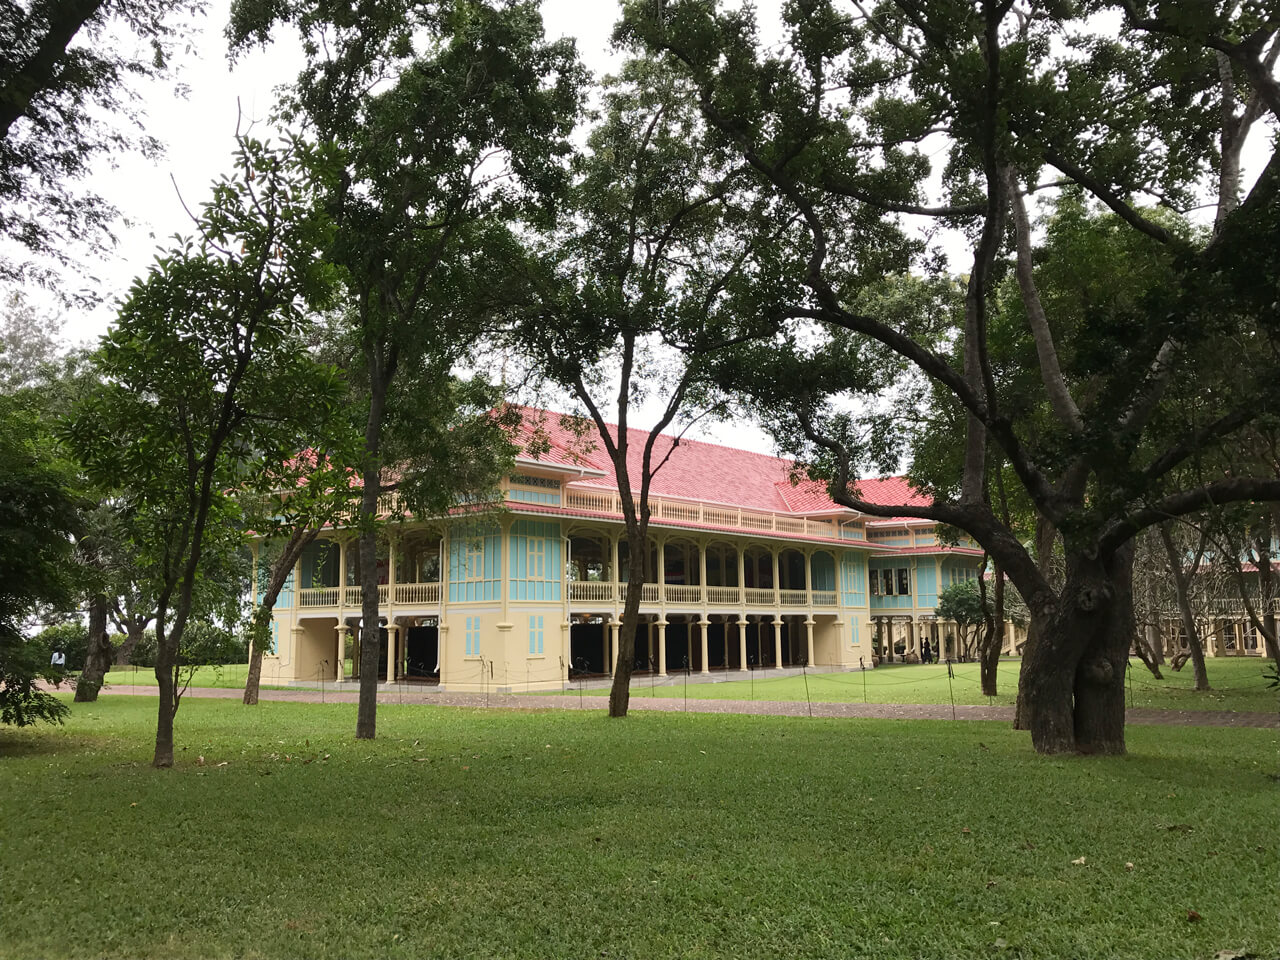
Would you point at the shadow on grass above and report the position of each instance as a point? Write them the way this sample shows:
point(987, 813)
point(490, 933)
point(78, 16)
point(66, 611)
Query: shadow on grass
point(35, 741)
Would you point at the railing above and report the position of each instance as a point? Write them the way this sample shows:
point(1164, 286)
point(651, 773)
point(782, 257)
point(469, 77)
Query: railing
point(759, 598)
point(679, 593)
point(724, 595)
point(648, 593)
point(590, 590)
point(318, 597)
point(683, 511)
point(794, 598)
point(825, 598)
point(428, 593)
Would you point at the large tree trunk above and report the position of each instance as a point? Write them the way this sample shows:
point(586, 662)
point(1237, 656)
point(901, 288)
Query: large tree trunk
point(97, 658)
point(637, 567)
point(1073, 675)
point(133, 632)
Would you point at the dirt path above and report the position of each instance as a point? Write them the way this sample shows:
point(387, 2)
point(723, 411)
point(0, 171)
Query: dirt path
point(780, 708)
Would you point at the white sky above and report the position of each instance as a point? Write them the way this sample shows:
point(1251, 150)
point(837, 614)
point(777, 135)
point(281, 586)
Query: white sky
point(198, 132)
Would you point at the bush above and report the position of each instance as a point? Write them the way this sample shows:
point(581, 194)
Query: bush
point(71, 638)
point(202, 643)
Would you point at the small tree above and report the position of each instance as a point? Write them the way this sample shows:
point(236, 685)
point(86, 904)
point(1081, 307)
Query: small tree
point(205, 381)
point(963, 603)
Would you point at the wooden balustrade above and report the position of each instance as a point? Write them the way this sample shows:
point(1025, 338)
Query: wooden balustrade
point(794, 598)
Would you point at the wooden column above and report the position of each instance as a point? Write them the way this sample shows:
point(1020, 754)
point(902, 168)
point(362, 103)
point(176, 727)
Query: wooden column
point(742, 644)
point(777, 642)
point(611, 654)
point(703, 624)
point(808, 639)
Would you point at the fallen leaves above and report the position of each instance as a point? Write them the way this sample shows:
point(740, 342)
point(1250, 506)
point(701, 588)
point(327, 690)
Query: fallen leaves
point(1193, 917)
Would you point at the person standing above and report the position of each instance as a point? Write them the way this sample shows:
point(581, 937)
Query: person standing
point(926, 652)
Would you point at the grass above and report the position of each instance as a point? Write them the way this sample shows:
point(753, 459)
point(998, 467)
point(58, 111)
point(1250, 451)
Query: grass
point(466, 833)
point(227, 676)
point(1238, 685)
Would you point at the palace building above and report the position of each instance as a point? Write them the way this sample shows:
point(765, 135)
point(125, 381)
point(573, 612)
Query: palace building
point(751, 571)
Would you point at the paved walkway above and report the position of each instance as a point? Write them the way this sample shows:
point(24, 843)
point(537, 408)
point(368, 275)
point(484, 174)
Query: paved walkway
point(780, 708)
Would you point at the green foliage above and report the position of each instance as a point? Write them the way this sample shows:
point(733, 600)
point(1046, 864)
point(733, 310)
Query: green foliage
point(961, 602)
point(669, 802)
point(66, 99)
point(38, 516)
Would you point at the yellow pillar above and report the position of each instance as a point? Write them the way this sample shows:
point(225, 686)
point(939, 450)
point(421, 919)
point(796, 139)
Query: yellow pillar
point(393, 632)
point(777, 584)
point(662, 648)
point(339, 668)
point(703, 624)
point(808, 640)
point(742, 584)
point(742, 644)
point(777, 641)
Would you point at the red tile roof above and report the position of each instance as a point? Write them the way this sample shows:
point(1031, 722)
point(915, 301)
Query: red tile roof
point(702, 471)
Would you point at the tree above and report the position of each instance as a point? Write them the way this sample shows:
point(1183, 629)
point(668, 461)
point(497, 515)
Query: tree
point(204, 380)
point(964, 604)
point(63, 75)
point(444, 121)
point(633, 295)
point(29, 345)
point(39, 512)
point(833, 127)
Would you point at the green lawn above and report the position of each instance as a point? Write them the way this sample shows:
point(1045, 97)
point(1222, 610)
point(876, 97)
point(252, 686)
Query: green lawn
point(467, 833)
point(1238, 685)
point(231, 675)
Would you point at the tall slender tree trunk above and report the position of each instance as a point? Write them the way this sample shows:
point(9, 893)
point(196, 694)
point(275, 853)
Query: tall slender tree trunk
point(637, 569)
point(367, 710)
point(1182, 587)
point(97, 658)
point(993, 639)
point(166, 683)
point(260, 625)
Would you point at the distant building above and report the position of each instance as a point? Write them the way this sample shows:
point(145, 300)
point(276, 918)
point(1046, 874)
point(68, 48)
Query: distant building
point(751, 572)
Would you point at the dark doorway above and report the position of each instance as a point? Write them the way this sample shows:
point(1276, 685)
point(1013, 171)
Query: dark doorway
point(586, 649)
point(680, 654)
point(422, 653)
point(717, 646)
